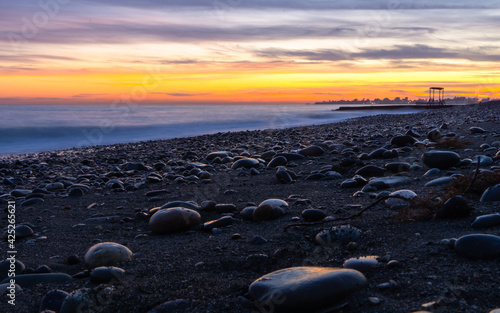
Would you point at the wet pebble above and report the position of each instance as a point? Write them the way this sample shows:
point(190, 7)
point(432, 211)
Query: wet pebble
point(221, 222)
point(404, 193)
point(106, 274)
point(53, 300)
point(405, 140)
point(491, 194)
point(441, 181)
point(29, 280)
point(484, 221)
point(312, 215)
point(23, 231)
point(371, 171)
point(312, 151)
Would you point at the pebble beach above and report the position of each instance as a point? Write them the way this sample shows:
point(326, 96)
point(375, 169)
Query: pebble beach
point(385, 213)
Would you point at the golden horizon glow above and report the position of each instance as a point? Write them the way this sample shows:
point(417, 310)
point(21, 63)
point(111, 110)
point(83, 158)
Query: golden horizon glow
point(200, 56)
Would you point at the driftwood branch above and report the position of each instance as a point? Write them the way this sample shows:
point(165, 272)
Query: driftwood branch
point(345, 218)
point(474, 176)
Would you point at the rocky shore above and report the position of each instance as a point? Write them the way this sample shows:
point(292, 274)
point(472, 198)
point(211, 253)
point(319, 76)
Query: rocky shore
point(388, 213)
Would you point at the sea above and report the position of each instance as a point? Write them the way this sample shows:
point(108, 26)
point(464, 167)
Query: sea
point(37, 128)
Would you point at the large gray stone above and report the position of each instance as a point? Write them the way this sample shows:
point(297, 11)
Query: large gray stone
point(387, 182)
point(440, 159)
point(478, 246)
point(491, 194)
point(173, 220)
point(305, 289)
point(106, 254)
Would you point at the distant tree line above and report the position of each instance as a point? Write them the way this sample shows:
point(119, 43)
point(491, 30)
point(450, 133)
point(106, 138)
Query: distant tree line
point(398, 100)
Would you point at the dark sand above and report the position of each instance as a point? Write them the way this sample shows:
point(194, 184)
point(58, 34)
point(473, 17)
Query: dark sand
point(213, 272)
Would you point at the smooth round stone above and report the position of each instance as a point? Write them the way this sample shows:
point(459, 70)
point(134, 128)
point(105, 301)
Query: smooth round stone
point(337, 236)
point(405, 193)
point(455, 208)
point(483, 160)
point(20, 193)
point(371, 171)
point(434, 135)
point(245, 163)
point(397, 167)
point(247, 213)
point(32, 201)
point(432, 172)
point(313, 215)
point(478, 246)
point(305, 289)
point(283, 175)
point(221, 222)
point(440, 159)
point(53, 300)
point(387, 182)
point(312, 151)
point(217, 154)
point(266, 212)
point(173, 220)
point(440, 181)
point(377, 153)
point(23, 231)
point(362, 264)
point(349, 183)
point(401, 141)
point(29, 280)
point(54, 186)
point(134, 167)
point(484, 221)
point(76, 192)
point(491, 194)
point(5, 287)
point(277, 161)
point(19, 268)
point(477, 130)
point(225, 208)
point(106, 274)
point(182, 204)
point(276, 203)
point(292, 156)
point(106, 254)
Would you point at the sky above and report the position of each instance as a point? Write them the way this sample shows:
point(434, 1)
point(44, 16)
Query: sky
point(245, 51)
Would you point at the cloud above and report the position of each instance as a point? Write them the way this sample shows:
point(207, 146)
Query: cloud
point(89, 95)
point(299, 4)
point(397, 52)
point(179, 94)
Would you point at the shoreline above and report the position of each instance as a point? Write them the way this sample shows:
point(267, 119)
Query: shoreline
point(3, 157)
point(105, 194)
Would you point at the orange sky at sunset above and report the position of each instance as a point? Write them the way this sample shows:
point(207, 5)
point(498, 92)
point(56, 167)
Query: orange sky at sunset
point(69, 52)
